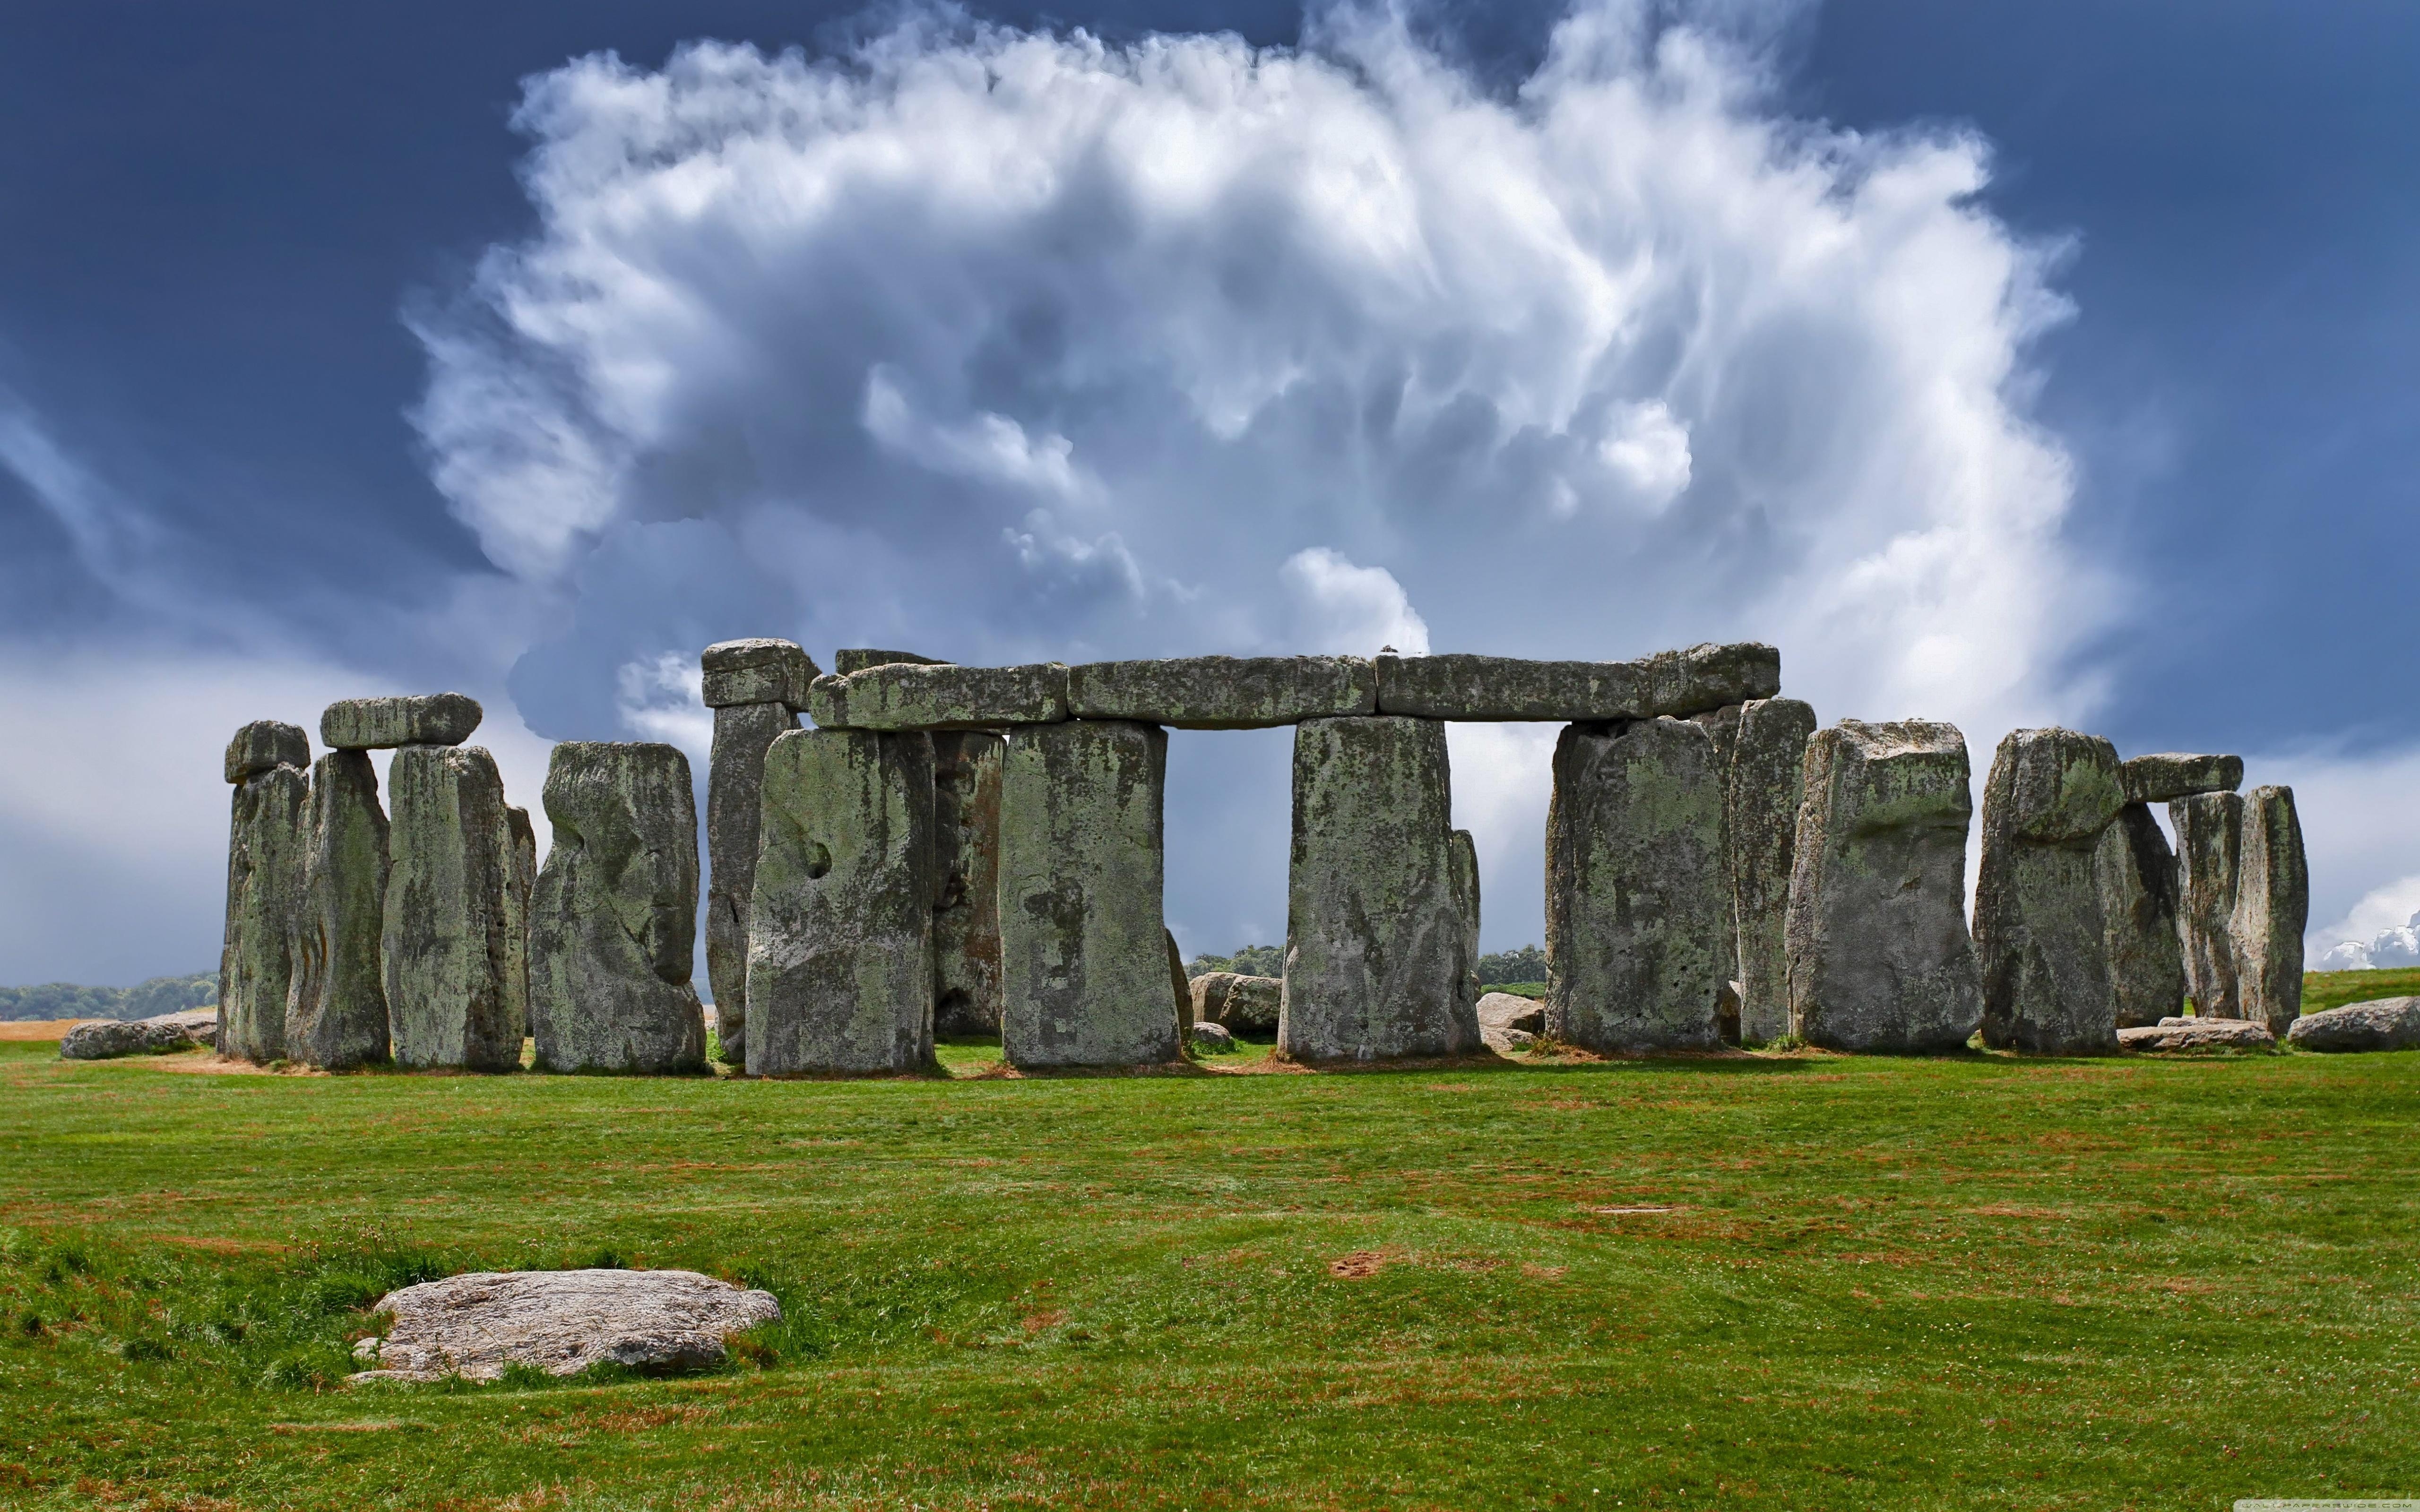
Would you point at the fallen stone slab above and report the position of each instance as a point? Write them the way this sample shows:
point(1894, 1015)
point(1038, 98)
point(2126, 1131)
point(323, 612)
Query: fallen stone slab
point(759, 670)
point(559, 1321)
point(1224, 692)
point(421, 719)
point(2209, 836)
point(336, 1013)
point(2175, 1036)
point(2172, 774)
point(857, 659)
point(1764, 781)
point(1237, 1002)
point(1465, 686)
point(966, 863)
point(2039, 930)
point(937, 696)
point(454, 949)
point(2135, 875)
point(264, 746)
point(1510, 1011)
point(2272, 905)
point(267, 841)
point(2380, 1024)
point(110, 1040)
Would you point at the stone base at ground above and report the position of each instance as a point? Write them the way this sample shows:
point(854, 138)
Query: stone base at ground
point(2381, 1023)
point(559, 1321)
point(2175, 1036)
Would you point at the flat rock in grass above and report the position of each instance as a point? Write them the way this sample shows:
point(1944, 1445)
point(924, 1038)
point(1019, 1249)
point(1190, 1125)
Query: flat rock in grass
point(559, 1321)
point(264, 746)
point(2381, 1023)
point(761, 671)
point(1223, 692)
point(2174, 775)
point(1509, 1010)
point(936, 696)
point(421, 719)
point(2177, 1036)
point(110, 1040)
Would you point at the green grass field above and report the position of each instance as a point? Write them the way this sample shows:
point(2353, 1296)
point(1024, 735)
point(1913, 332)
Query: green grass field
point(1785, 1281)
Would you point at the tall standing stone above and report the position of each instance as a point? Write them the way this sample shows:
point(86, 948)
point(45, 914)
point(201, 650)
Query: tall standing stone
point(266, 848)
point(1466, 904)
point(1639, 917)
point(335, 1013)
point(2135, 873)
point(2273, 903)
point(455, 946)
point(840, 936)
point(1083, 962)
point(1766, 778)
point(2039, 927)
point(613, 916)
point(966, 911)
point(1723, 725)
point(1878, 956)
point(735, 797)
point(2209, 836)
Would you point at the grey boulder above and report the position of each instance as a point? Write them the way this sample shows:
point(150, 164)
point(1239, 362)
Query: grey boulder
point(111, 1039)
point(1212, 1039)
point(421, 719)
point(2172, 774)
point(1509, 1010)
point(762, 671)
point(264, 746)
point(1223, 692)
point(1237, 1002)
point(559, 1321)
point(2179, 1036)
point(2380, 1024)
point(937, 696)
point(2039, 928)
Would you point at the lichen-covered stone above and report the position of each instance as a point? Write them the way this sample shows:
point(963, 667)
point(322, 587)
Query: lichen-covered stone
point(112, 1038)
point(1638, 915)
point(1466, 904)
point(476, 1325)
point(336, 1013)
point(2380, 1024)
point(264, 746)
point(454, 951)
point(1240, 1003)
point(857, 659)
point(937, 696)
point(1083, 958)
point(524, 855)
point(1766, 778)
point(2039, 928)
point(2183, 1036)
point(1224, 692)
point(1462, 686)
point(965, 913)
point(1723, 725)
point(613, 916)
point(2209, 834)
point(265, 851)
point(735, 795)
point(2273, 903)
point(2135, 875)
point(840, 934)
point(1181, 989)
point(760, 671)
point(1376, 941)
point(1878, 956)
point(2172, 774)
point(422, 719)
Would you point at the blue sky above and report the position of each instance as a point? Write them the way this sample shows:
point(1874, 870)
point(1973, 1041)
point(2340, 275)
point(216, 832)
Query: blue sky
point(2006, 363)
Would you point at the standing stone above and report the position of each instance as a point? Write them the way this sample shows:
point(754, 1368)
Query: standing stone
point(1723, 725)
point(524, 855)
point(1179, 986)
point(2173, 774)
point(1878, 956)
point(965, 912)
point(1083, 963)
point(2137, 875)
point(1466, 904)
point(335, 1013)
point(1638, 915)
point(2209, 834)
point(2039, 928)
point(734, 800)
point(1767, 778)
point(265, 864)
point(455, 946)
point(840, 932)
point(2273, 903)
point(613, 916)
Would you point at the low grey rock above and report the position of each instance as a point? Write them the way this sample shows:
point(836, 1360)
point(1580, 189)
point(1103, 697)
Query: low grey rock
point(559, 1321)
point(2173, 774)
point(1509, 1010)
point(1212, 1038)
point(735, 797)
point(109, 1039)
point(760, 671)
point(2135, 875)
point(454, 951)
point(613, 927)
point(966, 860)
point(336, 1010)
point(936, 696)
point(1247, 1005)
point(1224, 692)
point(264, 746)
point(1764, 781)
point(2272, 905)
point(2210, 838)
point(2185, 1036)
point(1506, 1041)
point(2040, 935)
point(857, 659)
point(267, 846)
point(1464, 686)
point(421, 719)
point(2380, 1024)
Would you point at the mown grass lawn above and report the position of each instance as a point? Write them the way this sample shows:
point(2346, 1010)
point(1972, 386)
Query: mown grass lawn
point(1786, 1281)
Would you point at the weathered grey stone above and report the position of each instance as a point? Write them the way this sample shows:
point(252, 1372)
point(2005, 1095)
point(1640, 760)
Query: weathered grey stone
point(1727, 1012)
point(1878, 956)
point(558, 1322)
point(1466, 906)
point(965, 859)
point(936, 696)
point(1378, 963)
point(1243, 1004)
point(336, 1010)
point(857, 659)
point(756, 672)
point(2183, 1036)
point(422, 719)
point(2039, 934)
point(1637, 901)
point(524, 855)
point(1224, 692)
point(454, 952)
point(2380, 1024)
point(840, 937)
point(1177, 984)
point(613, 916)
point(109, 1039)
point(1765, 779)
point(264, 746)
point(1462, 686)
point(2135, 875)
point(2273, 903)
point(2209, 834)
point(2175, 775)
point(1083, 952)
point(1506, 1010)
point(735, 798)
point(264, 905)
point(1210, 1039)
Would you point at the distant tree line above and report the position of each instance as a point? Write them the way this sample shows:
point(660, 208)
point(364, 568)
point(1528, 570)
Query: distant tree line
point(1528, 964)
point(150, 1000)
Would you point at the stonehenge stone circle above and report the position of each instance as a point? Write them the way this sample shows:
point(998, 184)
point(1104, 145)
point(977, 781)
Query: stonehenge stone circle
point(2039, 930)
point(1375, 963)
point(423, 720)
point(2381, 1023)
point(735, 797)
point(937, 696)
point(2135, 875)
point(266, 845)
point(1083, 952)
point(453, 949)
point(840, 948)
point(335, 1011)
point(2209, 833)
point(2173, 774)
point(264, 746)
point(762, 671)
point(1639, 917)
point(613, 919)
point(1459, 687)
point(1878, 956)
point(965, 913)
point(1224, 692)
point(2273, 903)
point(1766, 778)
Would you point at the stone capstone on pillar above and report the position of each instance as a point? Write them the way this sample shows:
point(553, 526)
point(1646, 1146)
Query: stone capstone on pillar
point(735, 795)
point(1767, 776)
point(267, 848)
point(455, 946)
point(423, 720)
point(2039, 927)
point(2173, 774)
point(2209, 833)
point(1224, 692)
point(936, 696)
point(966, 910)
point(264, 746)
point(2272, 905)
point(336, 1013)
point(761, 671)
point(2135, 875)
point(1463, 686)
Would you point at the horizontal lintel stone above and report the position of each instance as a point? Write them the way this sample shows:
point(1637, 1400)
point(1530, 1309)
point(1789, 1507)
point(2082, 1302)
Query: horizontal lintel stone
point(1224, 692)
point(264, 746)
point(760, 671)
point(937, 696)
point(852, 659)
point(419, 720)
point(1676, 683)
point(2174, 775)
